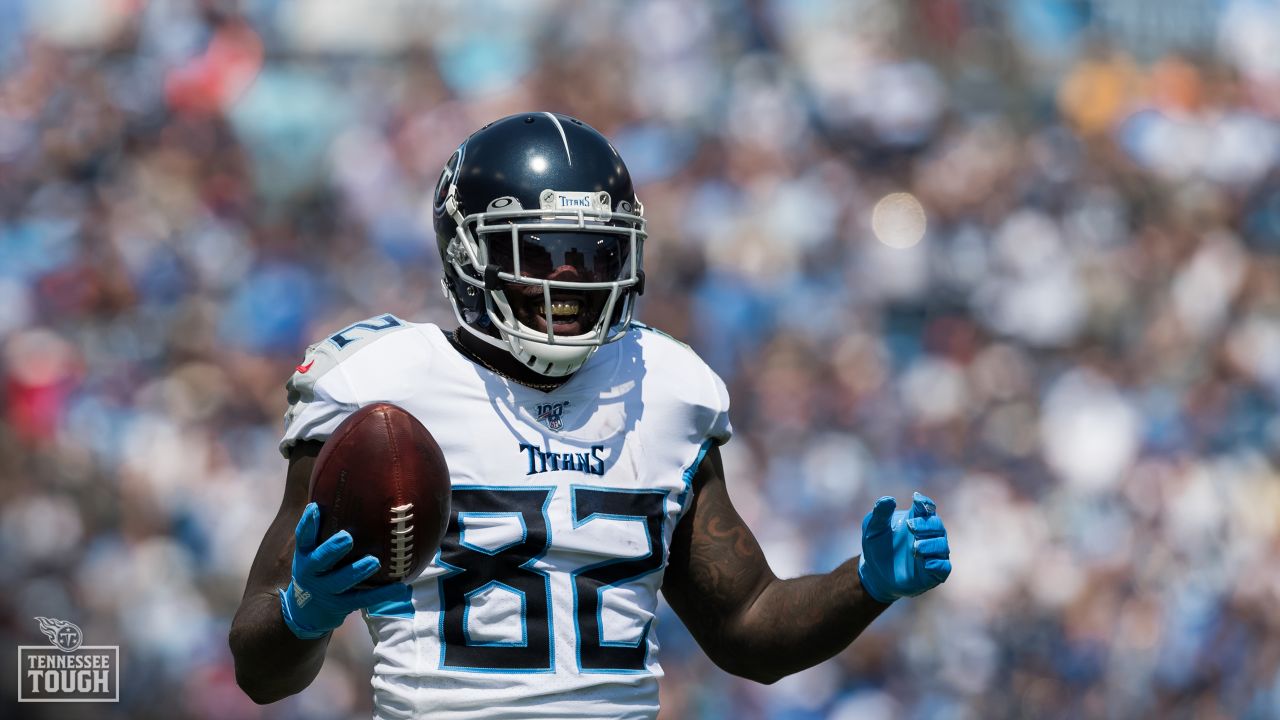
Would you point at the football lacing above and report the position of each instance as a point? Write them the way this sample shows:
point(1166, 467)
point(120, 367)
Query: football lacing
point(401, 541)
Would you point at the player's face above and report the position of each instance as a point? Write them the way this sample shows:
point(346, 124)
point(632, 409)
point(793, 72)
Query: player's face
point(567, 257)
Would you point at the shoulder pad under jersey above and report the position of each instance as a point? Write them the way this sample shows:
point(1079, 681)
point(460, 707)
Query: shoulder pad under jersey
point(323, 356)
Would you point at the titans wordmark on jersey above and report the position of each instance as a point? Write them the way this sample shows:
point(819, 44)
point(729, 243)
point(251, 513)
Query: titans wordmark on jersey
point(542, 600)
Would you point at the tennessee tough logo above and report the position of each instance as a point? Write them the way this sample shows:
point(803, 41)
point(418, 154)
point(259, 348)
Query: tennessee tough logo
point(67, 670)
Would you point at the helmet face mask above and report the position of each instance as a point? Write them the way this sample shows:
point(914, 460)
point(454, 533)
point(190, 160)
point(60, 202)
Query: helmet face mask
point(552, 271)
point(598, 263)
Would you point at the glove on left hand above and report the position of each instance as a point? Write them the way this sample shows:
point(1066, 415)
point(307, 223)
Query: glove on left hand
point(903, 553)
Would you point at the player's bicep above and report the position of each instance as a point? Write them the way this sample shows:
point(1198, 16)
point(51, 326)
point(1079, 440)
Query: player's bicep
point(273, 564)
point(716, 568)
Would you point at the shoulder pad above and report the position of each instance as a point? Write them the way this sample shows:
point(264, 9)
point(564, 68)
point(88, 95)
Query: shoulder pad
point(350, 336)
point(323, 356)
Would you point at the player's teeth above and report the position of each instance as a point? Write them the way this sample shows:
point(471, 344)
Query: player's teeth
point(568, 307)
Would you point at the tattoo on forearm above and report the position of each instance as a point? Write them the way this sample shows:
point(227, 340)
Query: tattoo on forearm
point(746, 619)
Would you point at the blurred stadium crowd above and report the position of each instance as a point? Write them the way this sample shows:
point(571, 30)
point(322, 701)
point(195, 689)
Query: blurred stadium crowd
point(1020, 255)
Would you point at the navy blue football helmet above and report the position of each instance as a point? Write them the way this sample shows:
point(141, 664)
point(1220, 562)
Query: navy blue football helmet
point(541, 237)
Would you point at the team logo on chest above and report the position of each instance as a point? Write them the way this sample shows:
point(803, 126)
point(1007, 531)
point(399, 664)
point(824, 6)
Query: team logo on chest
point(551, 414)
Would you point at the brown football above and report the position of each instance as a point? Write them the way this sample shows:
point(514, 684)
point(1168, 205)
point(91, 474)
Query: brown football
point(382, 478)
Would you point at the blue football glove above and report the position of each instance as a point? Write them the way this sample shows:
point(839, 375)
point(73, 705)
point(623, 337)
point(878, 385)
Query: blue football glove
point(319, 597)
point(903, 553)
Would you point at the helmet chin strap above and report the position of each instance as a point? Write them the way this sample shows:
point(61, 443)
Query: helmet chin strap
point(544, 359)
point(549, 360)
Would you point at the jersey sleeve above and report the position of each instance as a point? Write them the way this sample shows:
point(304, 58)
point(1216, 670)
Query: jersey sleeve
point(320, 398)
point(689, 382)
point(720, 428)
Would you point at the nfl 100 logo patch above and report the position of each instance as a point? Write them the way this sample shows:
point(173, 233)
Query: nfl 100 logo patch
point(551, 414)
point(67, 670)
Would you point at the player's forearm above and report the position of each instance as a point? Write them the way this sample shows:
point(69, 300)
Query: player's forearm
point(271, 662)
point(797, 623)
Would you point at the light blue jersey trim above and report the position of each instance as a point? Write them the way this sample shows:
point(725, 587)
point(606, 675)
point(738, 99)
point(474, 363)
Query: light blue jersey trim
point(684, 497)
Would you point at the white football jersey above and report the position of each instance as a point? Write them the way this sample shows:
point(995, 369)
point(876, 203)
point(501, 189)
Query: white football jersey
point(542, 599)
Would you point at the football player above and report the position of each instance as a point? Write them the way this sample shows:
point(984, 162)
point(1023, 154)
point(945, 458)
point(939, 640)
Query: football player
point(583, 454)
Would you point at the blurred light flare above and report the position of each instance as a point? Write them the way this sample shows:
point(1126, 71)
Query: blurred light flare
point(898, 220)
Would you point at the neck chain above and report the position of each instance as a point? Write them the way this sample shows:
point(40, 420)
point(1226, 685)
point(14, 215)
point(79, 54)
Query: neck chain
point(475, 357)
